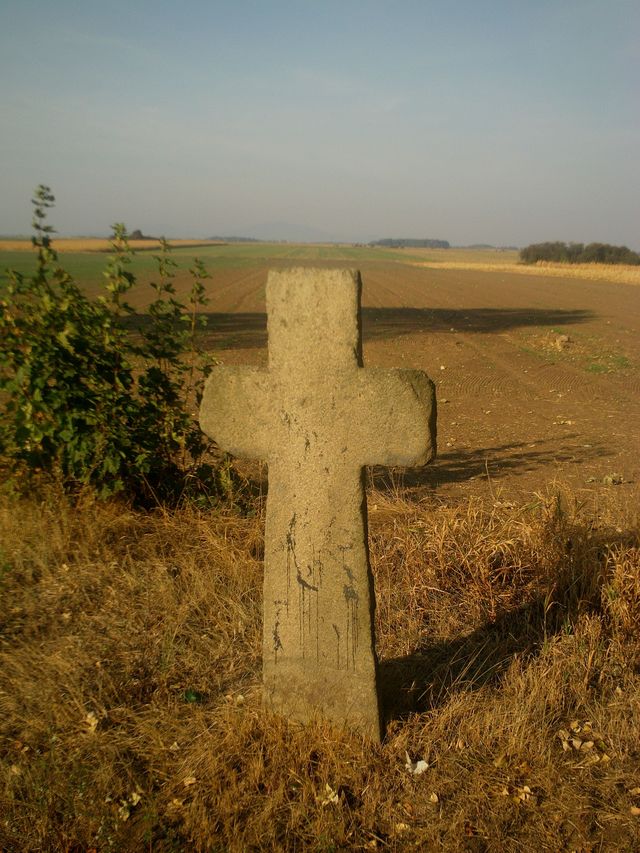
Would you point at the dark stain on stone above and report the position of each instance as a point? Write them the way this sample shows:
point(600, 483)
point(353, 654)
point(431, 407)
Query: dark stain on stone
point(305, 584)
point(337, 633)
point(277, 642)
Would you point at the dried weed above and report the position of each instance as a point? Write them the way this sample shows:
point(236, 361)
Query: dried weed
point(620, 273)
point(130, 715)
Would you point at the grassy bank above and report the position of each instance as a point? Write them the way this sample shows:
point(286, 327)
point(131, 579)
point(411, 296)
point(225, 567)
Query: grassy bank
point(129, 685)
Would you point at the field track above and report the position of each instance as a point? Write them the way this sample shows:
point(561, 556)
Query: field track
point(538, 378)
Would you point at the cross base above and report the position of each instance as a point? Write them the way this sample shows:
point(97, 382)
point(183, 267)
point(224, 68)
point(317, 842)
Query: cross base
point(344, 697)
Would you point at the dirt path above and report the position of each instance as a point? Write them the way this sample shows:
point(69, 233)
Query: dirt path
point(538, 379)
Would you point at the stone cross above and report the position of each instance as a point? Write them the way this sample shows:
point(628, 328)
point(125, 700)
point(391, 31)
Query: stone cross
point(317, 417)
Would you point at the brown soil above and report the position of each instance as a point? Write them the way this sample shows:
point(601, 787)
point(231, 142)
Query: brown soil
point(537, 378)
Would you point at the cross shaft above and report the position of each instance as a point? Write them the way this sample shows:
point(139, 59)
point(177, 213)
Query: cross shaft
point(317, 417)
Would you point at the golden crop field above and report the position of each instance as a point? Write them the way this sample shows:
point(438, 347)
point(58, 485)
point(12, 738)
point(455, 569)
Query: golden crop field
point(622, 273)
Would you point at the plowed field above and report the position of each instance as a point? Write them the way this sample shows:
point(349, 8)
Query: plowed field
point(538, 378)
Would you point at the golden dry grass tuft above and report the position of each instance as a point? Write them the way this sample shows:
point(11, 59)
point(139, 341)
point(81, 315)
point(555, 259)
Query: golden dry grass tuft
point(130, 667)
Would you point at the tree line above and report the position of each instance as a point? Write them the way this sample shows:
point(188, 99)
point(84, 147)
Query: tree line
point(579, 253)
point(410, 243)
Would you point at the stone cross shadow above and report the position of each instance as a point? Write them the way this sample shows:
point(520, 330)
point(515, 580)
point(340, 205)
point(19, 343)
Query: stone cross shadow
point(317, 417)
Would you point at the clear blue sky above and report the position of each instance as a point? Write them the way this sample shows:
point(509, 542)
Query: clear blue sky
point(506, 121)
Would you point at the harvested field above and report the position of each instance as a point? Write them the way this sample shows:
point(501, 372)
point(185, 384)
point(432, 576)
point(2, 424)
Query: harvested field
point(538, 378)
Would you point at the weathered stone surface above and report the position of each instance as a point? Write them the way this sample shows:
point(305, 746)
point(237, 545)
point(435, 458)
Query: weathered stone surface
point(318, 417)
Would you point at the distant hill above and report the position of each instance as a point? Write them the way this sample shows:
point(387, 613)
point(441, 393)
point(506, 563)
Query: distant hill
point(233, 239)
point(410, 243)
point(491, 247)
point(279, 232)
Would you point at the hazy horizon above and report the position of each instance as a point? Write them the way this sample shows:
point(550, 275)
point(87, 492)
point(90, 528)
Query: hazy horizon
point(494, 123)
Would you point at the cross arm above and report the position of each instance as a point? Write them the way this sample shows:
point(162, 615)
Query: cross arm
point(397, 417)
point(235, 410)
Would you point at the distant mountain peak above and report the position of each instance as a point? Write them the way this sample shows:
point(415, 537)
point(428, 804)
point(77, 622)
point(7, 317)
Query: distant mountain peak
point(278, 231)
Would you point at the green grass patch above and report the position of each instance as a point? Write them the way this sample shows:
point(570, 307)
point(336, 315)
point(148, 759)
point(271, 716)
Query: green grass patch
point(608, 363)
point(620, 362)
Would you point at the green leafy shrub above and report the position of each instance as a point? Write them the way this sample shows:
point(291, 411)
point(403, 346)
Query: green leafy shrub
point(93, 393)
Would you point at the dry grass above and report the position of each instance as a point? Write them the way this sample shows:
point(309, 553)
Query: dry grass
point(95, 244)
point(129, 685)
point(620, 273)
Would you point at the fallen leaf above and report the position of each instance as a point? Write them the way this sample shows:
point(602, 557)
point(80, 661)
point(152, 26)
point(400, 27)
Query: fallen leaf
point(635, 810)
point(613, 479)
point(524, 794)
point(331, 797)
point(415, 767)
point(189, 780)
point(92, 721)
point(434, 798)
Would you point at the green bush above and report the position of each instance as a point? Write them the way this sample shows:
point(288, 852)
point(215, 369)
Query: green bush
point(93, 394)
